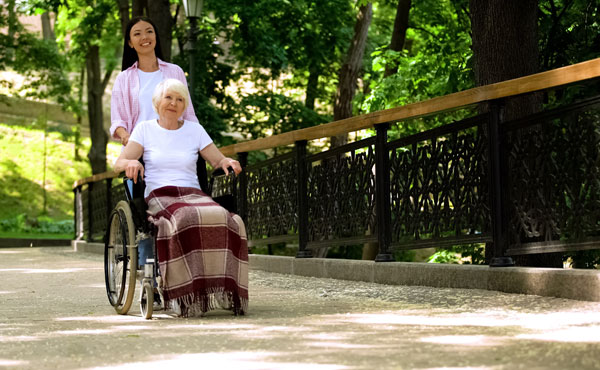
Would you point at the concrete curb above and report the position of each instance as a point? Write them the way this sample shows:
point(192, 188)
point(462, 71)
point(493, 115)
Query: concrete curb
point(583, 285)
point(26, 242)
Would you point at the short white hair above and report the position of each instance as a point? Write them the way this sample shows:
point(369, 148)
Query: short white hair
point(172, 85)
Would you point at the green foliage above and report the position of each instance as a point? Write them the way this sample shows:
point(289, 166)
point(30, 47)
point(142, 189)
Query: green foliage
point(436, 61)
point(277, 34)
point(465, 254)
point(39, 61)
point(21, 191)
point(299, 43)
point(404, 255)
point(271, 114)
point(584, 259)
point(211, 103)
point(569, 32)
point(39, 225)
point(89, 23)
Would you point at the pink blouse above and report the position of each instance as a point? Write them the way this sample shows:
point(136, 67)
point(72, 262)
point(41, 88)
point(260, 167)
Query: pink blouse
point(124, 103)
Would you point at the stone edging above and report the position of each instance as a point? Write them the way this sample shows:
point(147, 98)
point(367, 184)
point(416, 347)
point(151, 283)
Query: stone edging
point(24, 242)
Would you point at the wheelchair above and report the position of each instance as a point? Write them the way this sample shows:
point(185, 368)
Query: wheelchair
point(129, 248)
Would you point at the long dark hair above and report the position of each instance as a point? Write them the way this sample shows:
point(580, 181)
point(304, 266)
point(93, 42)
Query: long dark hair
point(129, 54)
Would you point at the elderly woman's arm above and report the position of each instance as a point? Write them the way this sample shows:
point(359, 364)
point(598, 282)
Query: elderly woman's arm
point(128, 161)
point(217, 160)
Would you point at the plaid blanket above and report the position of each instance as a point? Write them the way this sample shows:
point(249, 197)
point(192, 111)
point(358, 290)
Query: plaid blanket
point(202, 251)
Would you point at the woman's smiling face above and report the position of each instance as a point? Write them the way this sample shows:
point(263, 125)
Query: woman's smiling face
point(142, 37)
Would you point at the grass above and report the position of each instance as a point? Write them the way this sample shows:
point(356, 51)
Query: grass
point(22, 184)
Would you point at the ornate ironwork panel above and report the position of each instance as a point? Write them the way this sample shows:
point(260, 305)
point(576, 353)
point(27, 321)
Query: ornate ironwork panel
point(341, 192)
point(85, 211)
point(554, 176)
point(99, 210)
point(271, 208)
point(439, 185)
point(117, 193)
point(223, 185)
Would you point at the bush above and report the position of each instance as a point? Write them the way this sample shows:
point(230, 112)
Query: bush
point(42, 225)
point(465, 254)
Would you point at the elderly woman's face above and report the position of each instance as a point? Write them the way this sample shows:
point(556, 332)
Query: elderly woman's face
point(171, 105)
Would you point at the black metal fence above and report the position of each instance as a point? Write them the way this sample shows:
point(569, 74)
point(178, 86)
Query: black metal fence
point(527, 186)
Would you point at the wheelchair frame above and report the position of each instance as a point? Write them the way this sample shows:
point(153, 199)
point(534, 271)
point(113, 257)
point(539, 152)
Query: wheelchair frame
point(127, 227)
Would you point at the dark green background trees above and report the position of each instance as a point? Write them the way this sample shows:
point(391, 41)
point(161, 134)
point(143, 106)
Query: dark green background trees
point(292, 53)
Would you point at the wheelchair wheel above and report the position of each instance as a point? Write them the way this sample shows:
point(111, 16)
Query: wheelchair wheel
point(147, 300)
point(120, 258)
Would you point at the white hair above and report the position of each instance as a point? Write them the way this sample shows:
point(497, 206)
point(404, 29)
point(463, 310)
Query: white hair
point(172, 85)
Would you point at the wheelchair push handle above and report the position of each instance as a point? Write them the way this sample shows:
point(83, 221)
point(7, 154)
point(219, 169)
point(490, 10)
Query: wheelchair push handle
point(220, 172)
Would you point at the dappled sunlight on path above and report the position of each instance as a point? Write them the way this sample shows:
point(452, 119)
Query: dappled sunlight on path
point(59, 317)
point(224, 360)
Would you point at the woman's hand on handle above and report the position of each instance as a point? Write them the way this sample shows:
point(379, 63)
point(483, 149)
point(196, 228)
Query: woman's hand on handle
point(128, 161)
point(134, 167)
point(217, 160)
point(227, 163)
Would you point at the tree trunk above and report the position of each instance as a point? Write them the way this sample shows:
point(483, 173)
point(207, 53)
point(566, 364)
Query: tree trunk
point(160, 13)
point(399, 33)
point(123, 14)
point(139, 8)
point(505, 46)
point(12, 30)
point(95, 88)
point(348, 77)
point(47, 31)
point(312, 87)
point(350, 70)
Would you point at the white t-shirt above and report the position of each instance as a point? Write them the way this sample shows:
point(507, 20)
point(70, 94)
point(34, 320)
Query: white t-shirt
point(170, 156)
point(148, 82)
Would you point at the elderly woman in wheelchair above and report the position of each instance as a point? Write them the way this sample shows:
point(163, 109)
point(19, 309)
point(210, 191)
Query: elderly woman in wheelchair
point(200, 247)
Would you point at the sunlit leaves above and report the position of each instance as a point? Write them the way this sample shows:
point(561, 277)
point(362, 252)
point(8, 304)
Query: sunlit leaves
point(435, 62)
point(36, 59)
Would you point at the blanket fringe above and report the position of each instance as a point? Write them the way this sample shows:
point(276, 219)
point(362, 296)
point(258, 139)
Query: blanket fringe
point(197, 304)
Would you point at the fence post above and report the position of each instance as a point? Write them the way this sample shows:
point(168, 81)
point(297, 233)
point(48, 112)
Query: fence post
point(78, 213)
point(243, 187)
point(302, 199)
point(108, 200)
point(382, 190)
point(497, 168)
point(90, 189)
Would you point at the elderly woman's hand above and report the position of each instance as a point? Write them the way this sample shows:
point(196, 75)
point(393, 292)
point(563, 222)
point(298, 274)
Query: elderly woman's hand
point(133, 168)
point(228, 162)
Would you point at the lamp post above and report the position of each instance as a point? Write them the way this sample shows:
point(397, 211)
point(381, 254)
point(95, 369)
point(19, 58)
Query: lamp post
point(193, 11)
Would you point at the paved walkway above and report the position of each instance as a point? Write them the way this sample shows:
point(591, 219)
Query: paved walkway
point(54, 314)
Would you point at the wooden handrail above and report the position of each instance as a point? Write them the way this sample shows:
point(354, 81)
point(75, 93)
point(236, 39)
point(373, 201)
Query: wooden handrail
point(96, 177)
point(522, 85)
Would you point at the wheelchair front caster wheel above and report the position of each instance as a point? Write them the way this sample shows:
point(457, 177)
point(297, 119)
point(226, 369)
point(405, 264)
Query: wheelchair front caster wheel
point(147, 300)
